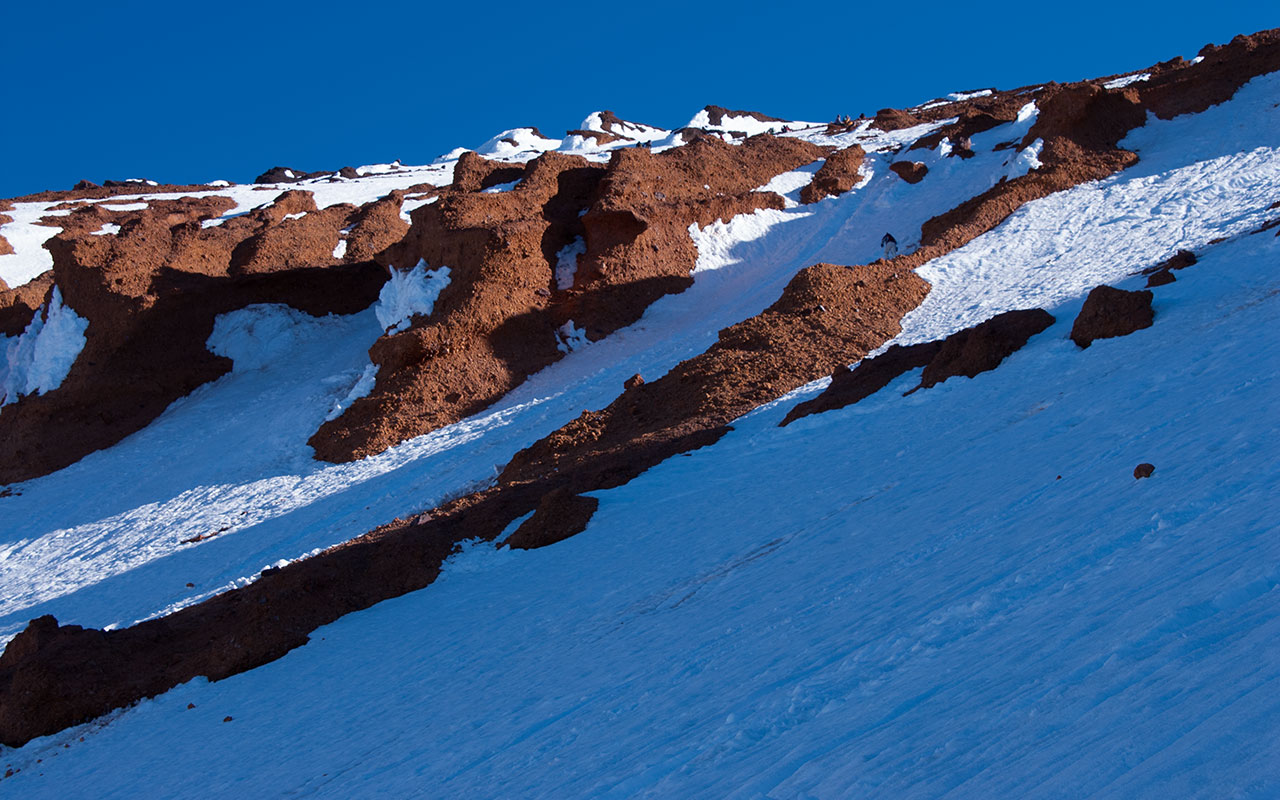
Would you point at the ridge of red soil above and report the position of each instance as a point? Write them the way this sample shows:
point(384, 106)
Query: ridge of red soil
point(53, 676)
point(87, 190)
point(984, 346)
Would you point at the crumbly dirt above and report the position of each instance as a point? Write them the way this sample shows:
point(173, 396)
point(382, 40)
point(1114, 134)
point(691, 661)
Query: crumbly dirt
point(837, 175)
point(5, 247)
point(19, 305)
point(1110, 312)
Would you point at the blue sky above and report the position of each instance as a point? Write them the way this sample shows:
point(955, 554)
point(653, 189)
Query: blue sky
point(183, 92)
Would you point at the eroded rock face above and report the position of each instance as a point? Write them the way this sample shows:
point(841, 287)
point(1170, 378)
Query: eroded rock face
point(498, 320)
point(151, 294)
point(1110, 312)
point(837, 175)
point(19, 305)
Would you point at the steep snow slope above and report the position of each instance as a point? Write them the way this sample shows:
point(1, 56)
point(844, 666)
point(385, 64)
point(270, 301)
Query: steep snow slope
point(900, 599)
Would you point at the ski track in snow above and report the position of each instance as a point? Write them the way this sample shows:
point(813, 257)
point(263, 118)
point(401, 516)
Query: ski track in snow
point(900, 598)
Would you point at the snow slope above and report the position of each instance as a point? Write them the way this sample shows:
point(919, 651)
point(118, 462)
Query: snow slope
point(899, 599)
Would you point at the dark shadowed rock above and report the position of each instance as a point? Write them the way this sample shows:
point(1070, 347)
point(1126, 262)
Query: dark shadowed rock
point(561, 514)
point(1110, 312)
point(849, 386)
point(982, 347)
point(1143, 470)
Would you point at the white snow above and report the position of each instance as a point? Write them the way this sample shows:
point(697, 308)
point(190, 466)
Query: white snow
point(298, 215)
point(39, 359)
point(910, 623)
point(499, 188)
point(1120, 83)
point(517, 143)
point(1027, 159)
point(746, 124)
point(361, 388)
point(340, 249)
point(570, 337)
point(108, 228)
point(567, 263)
point(957, 96)
point(408, 293)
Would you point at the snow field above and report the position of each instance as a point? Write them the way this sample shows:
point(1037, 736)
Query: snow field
point(898, 599)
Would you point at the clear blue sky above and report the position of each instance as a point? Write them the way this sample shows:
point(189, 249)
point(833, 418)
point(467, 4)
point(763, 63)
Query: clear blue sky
point(184, 92)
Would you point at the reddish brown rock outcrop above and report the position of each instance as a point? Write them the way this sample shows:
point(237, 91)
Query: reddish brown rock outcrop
point(837, 175)
point(151, 294)
point(496, 323)
point(909, 171)
point(1110, 312)
point(18, 305)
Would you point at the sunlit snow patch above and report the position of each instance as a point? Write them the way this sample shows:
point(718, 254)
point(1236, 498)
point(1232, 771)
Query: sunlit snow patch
point(409, 293)
point(1027, 159)
point(570, 337)
point(1120, 83)
point(39, 359)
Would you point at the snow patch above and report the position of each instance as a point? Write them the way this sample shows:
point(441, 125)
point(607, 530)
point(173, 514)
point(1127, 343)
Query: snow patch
point(361, 388)
point(340, 249)
point(408, 294)
point(39, 360)
point(1027, 159)
point(499, 188)
point(567, 263)
point(570, 338)
point(1120, 83)
point(108, 228)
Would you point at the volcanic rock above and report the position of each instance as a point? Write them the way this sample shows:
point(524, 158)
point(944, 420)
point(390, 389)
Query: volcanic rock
point(837, 175)
point(1109, 312)
point(910, 171)
point(981, 348)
